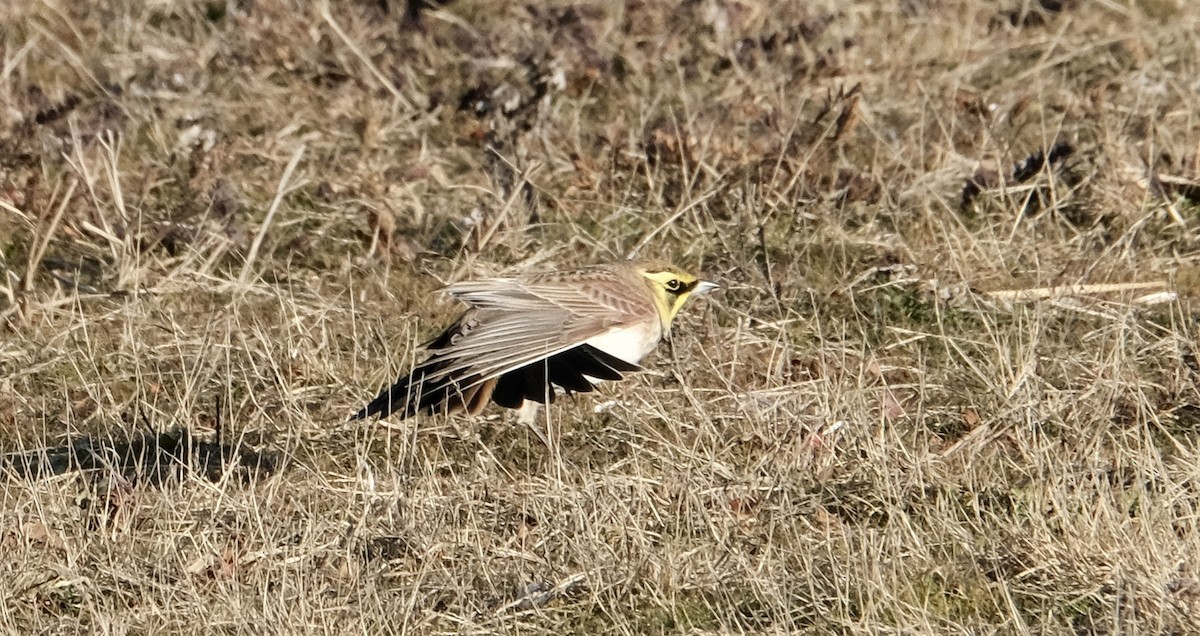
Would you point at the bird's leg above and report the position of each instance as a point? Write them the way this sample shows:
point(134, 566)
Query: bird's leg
point(527, 415)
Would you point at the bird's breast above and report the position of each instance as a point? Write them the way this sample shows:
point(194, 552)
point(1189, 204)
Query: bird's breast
point(631, 343)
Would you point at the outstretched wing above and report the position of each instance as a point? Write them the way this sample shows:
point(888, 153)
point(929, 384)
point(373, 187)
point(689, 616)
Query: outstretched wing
point(518, 337)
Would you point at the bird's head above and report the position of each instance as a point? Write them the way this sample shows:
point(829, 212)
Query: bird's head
point(671, 288)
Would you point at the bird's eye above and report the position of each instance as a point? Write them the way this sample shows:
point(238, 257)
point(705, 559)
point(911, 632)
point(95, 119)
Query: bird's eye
point(674, 285)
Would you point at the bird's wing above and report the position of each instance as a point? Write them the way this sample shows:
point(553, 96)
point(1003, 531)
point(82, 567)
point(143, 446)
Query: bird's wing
point(517, 296)
point(513, 323)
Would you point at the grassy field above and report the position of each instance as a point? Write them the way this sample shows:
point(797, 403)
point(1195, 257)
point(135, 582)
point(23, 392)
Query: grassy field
point(950, 385)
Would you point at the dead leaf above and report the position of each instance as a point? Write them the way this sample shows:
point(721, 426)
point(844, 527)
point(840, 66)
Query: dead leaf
point(227, 566)
point(744, 508)
point(39, 533)
point(826, 519)
point(383, 225)
point(892, 408)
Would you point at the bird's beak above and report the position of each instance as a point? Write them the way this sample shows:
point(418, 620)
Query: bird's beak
point(704, 286)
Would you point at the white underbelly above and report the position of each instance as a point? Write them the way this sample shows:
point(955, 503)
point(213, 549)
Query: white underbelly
point(630, 344)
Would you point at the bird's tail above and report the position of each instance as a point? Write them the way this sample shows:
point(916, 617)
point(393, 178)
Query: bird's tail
point(417, 392)
point(403, 395)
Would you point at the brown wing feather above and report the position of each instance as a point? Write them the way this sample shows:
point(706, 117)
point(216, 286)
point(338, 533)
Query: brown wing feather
point(518, 336)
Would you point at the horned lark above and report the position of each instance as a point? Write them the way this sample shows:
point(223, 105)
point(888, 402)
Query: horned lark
point(520, 337)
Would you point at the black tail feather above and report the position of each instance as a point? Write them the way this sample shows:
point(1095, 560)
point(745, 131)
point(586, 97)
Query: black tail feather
point(389, 400)
point(411, 394)
point(566, 370)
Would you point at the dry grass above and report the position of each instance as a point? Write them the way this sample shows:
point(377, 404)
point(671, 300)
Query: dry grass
point(951, 386)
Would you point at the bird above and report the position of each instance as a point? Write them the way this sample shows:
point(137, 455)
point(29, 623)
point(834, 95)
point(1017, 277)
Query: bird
point(522, 336)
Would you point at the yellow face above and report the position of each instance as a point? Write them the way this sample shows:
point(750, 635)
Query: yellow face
point(671, 289)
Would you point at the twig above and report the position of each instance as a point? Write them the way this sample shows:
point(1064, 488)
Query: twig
point(36, 255)
point(671, 219)
point(362, 57)
point(4, 205)
point(262, 231)
point(1042, 293)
